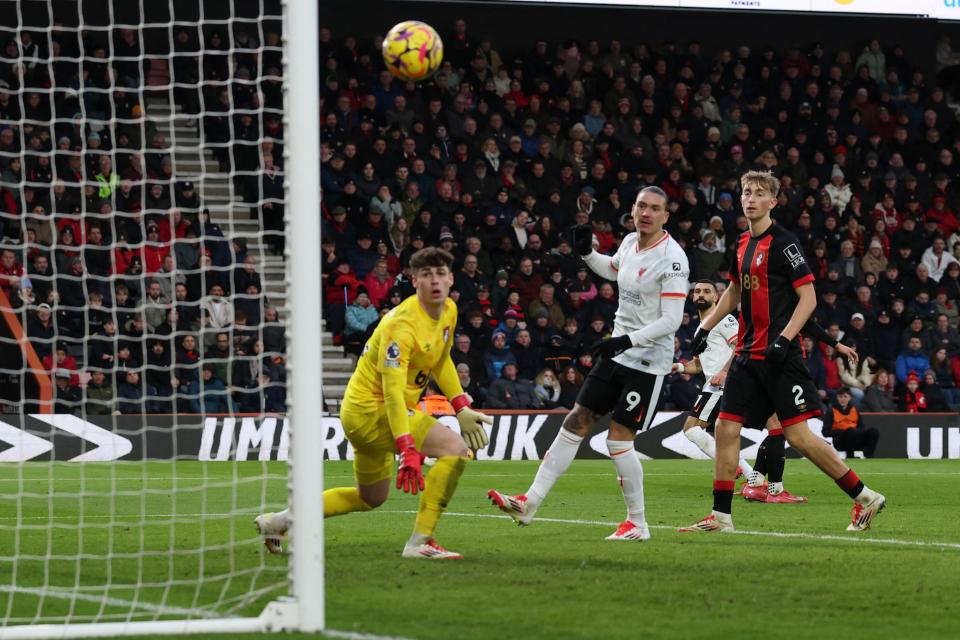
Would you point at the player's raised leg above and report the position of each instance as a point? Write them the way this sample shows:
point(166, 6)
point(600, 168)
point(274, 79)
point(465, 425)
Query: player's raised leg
point(867, 502)
point(522, 507)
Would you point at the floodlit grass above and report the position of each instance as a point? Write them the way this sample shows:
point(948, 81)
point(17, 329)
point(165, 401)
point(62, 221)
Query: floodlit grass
point(188, 541)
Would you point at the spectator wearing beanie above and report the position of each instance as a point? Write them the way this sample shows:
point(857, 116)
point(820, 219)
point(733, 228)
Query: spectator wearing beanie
point(497, 355)
point(360, 315)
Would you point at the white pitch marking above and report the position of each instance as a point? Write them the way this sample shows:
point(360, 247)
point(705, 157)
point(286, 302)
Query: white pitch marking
point(64, 594)
point(771, 534)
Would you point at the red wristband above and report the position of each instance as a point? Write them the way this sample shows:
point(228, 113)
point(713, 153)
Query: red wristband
point(462, 401)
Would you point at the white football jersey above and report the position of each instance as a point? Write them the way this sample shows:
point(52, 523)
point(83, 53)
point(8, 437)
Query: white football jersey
point(720, 343)
point(645, 277)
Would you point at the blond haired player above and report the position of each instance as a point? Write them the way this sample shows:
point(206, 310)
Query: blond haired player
point(772, 283)
point(379, 413)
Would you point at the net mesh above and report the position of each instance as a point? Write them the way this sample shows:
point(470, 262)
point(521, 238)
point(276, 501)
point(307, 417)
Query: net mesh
point(142, 296)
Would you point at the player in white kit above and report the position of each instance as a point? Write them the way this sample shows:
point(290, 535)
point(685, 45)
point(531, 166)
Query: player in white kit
point(651, 273)
point(714, 362)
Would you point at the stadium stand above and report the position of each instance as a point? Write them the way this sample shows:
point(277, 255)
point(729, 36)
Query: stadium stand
point(501, 151)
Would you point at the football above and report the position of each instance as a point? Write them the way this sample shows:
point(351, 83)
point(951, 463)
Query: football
point(412, 50)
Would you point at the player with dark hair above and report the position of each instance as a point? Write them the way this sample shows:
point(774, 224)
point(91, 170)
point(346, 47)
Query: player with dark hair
point(715, 362)
point(651, 272)
point(773, 285)
point(381, 417)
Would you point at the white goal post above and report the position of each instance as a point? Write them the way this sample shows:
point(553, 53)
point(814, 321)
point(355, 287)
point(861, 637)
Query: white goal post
point(302, 609)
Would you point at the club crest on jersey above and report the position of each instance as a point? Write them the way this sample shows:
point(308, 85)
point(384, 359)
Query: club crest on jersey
point(794, 255)
point(760, 258)
point(642, 271)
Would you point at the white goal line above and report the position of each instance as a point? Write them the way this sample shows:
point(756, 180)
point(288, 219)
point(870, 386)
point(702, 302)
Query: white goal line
point(953, 546)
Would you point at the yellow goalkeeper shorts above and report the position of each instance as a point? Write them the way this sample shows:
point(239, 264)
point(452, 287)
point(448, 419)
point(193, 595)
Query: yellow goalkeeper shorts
point(373, 445)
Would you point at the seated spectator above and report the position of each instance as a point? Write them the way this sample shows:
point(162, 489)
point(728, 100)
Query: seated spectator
point(947, 307)
point(912, 361)
point(936, 399)
point(41, 330)
point(378, 283)
point(709, 256)
point(274, 334)
point(470, 386)
point(160, 375)
point(878, 398)
point(510, 392)
point(942, 335)
point(843, 423)
point(216, 311)
point(67, 397)
point(529, 357)
point(497, 356)
point(157, 305)
point(98, 394)
point(214, 398)
point(360, 315)
point(546, 301)
point(940, 365)
point(570, 382)
point(61, 359)
point(129, 393)
point(855, 377)
point(912, 400)
point(936, 259)
point(547, 389)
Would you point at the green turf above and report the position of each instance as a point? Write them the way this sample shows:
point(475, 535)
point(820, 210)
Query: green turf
point(552, 579)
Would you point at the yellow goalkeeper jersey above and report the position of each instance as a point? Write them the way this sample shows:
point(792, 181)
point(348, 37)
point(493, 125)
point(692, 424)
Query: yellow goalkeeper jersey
point(407, 348)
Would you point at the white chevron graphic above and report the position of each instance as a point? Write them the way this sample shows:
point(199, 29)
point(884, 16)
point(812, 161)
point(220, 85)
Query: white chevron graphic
point(109, 445)
point(25, 445)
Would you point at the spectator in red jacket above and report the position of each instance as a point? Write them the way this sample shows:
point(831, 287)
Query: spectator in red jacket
point(154, 250)
point(913, 400)
point(527, 282)
point(61, 359)
point(11, 272)
point(378, 283)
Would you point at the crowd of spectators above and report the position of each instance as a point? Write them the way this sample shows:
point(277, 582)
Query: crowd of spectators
point(501, 151)
point(132, 297)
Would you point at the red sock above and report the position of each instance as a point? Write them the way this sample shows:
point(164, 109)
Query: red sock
point(850, 483)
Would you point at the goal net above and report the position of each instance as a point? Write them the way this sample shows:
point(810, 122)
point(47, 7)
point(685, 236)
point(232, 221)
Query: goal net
point(146, 296)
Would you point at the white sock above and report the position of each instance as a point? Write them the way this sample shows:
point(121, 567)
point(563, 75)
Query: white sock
point(555, 463)
point(866, 495)
point(631, 477)
point(417, 539)
point(755, 478)
point(745, 466)
point(283, 519)
point(723, 517)
point(775, 488)
point(703, 440)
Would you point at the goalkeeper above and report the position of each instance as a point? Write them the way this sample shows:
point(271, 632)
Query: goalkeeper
point(380, 416)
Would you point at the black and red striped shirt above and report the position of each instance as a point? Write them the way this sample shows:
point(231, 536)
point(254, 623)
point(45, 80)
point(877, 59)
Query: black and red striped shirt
point(768, 268)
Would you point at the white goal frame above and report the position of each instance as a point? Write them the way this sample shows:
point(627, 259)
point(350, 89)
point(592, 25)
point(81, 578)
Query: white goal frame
point(304, 608)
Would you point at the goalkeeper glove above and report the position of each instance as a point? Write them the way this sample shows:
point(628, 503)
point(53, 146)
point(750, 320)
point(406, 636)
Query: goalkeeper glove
point(699, 343)
point(581, 236)
point(410, 472)
point(471, 423)
point(777, 352)
point(611, 346)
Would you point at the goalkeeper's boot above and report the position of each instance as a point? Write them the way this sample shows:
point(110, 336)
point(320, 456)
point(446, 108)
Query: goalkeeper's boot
point(514, 506)
point(630, 531)
point(272, 532)
point(862, 514)
point(755, 494)
point(784, 497)
point(429, 550)
point(710, 524)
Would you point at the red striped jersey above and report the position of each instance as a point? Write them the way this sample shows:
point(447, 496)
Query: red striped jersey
point(645, 278)
point(769, 268)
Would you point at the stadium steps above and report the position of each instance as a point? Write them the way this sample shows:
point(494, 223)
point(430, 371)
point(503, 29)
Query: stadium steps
point(193, 161)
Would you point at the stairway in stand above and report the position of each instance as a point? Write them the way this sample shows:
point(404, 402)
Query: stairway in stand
point(193, 161)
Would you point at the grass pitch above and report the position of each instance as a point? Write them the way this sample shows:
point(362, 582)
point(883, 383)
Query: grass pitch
point(790, 572)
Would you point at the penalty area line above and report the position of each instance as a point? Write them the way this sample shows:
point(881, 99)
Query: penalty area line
point(952, 546)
